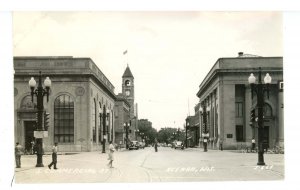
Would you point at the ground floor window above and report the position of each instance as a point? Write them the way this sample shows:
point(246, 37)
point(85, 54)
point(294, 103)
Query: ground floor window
point(63, 119)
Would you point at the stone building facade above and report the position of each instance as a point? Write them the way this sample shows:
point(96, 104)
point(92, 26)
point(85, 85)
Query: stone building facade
point(227, 94)
point(79, 93)
point(122, 115)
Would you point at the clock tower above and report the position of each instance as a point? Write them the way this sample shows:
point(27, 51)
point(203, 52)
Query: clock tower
point(128, 89)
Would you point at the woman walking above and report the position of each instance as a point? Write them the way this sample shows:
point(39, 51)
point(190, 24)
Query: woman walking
point(111, 154)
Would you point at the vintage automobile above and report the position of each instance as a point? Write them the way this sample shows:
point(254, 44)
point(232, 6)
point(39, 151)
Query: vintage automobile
point(179, 144)
point(141, 145)
point(134, 145)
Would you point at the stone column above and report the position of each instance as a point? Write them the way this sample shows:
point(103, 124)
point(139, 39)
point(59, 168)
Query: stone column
point(280, 115)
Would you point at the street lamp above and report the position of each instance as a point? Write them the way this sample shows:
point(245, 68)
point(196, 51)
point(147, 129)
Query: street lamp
point(186, 128)
point(126, 126)
point(205, 133)
point(142, 136)
point(40, 92)
point(260, 89)
point(104, 117)
point(136, 132)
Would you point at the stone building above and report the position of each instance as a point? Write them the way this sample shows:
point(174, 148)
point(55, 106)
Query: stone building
point(79, 93)
point(227, 95)
point(122, 115)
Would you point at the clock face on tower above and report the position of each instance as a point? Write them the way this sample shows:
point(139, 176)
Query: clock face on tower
point(127, 92)
point(127, 83)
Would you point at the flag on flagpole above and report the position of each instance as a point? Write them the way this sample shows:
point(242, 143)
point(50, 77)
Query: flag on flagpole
point(124, 52)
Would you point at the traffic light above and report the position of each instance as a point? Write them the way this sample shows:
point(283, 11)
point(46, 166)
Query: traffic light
point(252, 115)
point(46, 121)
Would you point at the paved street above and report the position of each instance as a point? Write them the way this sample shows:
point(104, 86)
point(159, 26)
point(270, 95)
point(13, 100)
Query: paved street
point(145, 165)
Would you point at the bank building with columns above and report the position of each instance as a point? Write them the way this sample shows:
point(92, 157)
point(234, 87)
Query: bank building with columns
point(225, 93)
point(79, 96)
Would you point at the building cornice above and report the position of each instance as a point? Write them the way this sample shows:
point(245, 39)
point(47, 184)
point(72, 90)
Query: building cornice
point(220, 67)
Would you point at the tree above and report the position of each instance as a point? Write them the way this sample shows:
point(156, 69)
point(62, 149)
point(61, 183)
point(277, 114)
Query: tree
point(146, 128)
point(168, 135)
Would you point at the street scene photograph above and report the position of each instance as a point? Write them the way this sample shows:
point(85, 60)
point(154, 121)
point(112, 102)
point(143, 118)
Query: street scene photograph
point(148, 97)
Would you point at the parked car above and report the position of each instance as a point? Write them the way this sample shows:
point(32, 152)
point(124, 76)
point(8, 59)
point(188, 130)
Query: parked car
point(134, 145)
point(141, 145)
point(179, 144)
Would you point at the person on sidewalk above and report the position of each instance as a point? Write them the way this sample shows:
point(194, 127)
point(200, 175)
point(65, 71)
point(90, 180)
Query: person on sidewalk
point(32, 143)
point(18, 153)
point(54, 157)
point(155, 144)
point(221, 145)
point(111, 154)
point(253, 145)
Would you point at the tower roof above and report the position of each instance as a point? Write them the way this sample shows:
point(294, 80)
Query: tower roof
point(127, 73)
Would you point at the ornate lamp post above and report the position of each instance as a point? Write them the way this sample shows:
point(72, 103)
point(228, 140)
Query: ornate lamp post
point(136, 132)
point(40, 92)
point(260, 89)
point(126, 127)
point(103, 116)
point(205, 133)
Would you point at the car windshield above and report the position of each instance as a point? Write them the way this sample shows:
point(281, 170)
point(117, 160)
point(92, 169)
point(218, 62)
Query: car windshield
point(178, 143)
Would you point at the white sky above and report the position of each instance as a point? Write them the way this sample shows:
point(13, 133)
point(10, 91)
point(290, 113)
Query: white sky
point(169, 53)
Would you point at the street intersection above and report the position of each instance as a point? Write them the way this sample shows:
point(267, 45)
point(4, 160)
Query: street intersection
point(146, 165)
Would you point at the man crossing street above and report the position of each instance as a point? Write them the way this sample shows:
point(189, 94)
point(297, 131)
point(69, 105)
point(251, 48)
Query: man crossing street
point(54, 157)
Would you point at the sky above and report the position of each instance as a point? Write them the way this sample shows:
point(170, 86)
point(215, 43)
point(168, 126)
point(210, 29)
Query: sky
point(169, 53)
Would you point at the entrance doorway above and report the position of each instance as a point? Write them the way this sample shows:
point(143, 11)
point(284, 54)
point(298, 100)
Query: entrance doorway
point(30, 127)
point(266, 137)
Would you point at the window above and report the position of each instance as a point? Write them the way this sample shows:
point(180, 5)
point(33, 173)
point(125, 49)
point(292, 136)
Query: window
point(94, 119)
point(239, 109)
point(267, 110)
point(239, 133)
point(64, 119)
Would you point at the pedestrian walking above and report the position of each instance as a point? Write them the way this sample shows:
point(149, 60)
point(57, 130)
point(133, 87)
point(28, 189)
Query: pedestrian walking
point(32, 147)
point(205, 144)
point(253, 145)
point(221, 144)
point(54, 157)
point(111, 154)
point(155, 145)
point(18, 153)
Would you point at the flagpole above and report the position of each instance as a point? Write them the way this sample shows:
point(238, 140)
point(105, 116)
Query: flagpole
point(125, 53)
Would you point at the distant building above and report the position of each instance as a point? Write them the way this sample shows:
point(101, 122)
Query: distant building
point(79, 93)
point(122, 115)
point(225, 90)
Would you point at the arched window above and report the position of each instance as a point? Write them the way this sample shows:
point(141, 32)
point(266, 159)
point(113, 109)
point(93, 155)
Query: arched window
point(100, 121)
point(63, 119)
point(27, 103)
point(267, 110)
point(94, 120)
